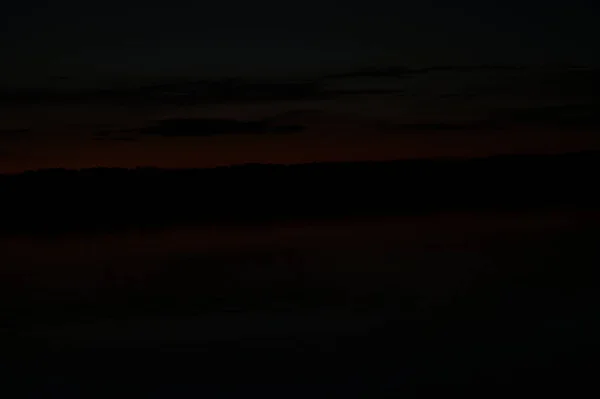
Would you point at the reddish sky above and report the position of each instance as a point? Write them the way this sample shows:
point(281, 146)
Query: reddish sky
point(426, 113)
point(296, 148)
point(520, 76)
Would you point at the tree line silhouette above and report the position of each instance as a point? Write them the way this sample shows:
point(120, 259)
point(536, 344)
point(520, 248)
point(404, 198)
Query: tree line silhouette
point(54, 200)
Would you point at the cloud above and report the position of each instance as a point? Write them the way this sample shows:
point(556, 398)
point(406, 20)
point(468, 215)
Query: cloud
point(407, 72)
point(113, 133)
point(570, 83)
point(468, 83)
point(231, 90)
point(220, 91)
point(179, 93)
point(203, 127)
point(442, 127)
point(570, 116)
point(125, 139)
point(390, 71)
point(451, 84)
point(561, 116)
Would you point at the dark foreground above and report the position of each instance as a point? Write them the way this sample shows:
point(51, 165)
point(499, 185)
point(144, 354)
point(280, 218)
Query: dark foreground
point(386, 307)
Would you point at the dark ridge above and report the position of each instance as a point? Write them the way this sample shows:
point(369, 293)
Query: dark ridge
point(54, 200)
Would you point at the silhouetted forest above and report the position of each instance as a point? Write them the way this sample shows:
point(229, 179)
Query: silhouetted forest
point(109, 198)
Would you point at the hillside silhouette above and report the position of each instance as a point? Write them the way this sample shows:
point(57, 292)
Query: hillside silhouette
point(54, 200)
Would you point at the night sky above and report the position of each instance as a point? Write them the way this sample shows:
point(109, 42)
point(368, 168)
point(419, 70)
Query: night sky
point(119, 83)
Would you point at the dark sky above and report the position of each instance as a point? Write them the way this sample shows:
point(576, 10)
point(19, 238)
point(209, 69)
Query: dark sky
point(134, 64)
point(138, 38)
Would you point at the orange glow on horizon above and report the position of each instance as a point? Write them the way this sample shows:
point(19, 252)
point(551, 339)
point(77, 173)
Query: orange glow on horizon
point(196, 152)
